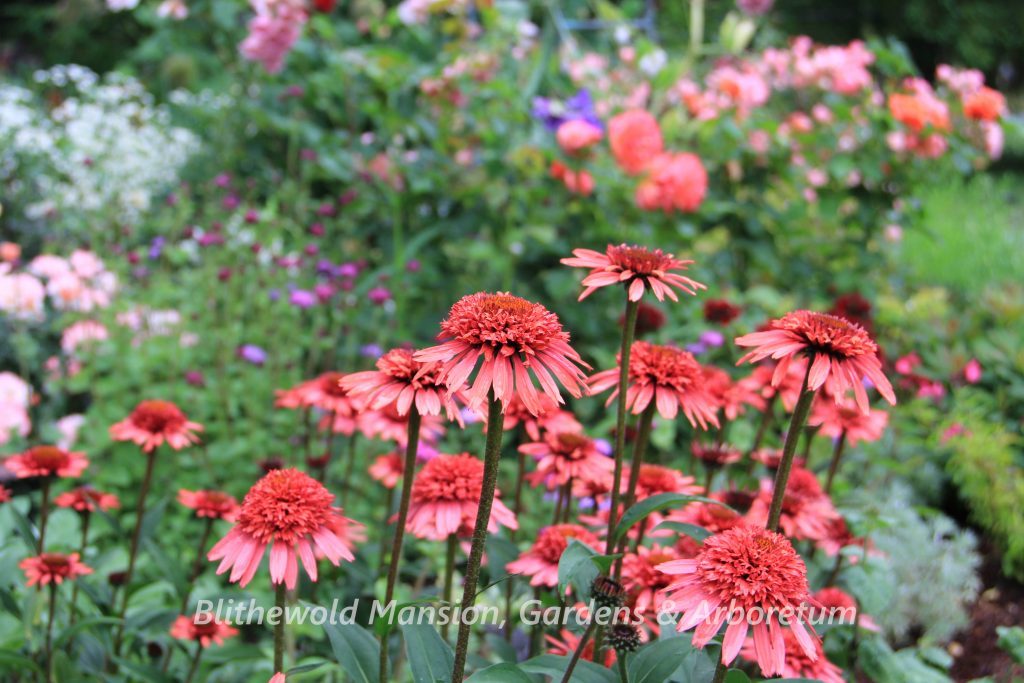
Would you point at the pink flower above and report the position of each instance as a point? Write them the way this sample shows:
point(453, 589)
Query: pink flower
point(47, 461)
point(972, 371)
point(564, 457)
point(635, 267)
point(576, 135)
point(273, 32)
point(154, 422)
point(635, 139)
point(540, 562)
point(206, 633)
point(674, 182)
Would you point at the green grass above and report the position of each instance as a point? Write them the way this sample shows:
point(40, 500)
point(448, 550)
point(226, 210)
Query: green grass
point(973, 234)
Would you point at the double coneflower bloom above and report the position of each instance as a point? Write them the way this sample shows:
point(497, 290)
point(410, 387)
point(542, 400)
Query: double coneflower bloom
point(290, 513)
point(517, 340)
point(567, 456)
point(52, 568)
point(540, 562)
point(403, 381)
point(638, 268)
point(47, 461)
point(210, 504)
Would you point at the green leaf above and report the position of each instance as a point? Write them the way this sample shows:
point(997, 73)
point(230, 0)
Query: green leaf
point(653, 504)
point(357, 651)
point(430, 658)
point(697, 533)
point(12, 660)
point(1011, 640)
point(303, 668)
point(24, 528)
point(82, 625)
point(736, 676)
point(554, 666)
point(576, 568)
point(655, 662)
point(500, 673)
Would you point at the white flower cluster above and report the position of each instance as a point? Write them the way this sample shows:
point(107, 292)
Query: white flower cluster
point(96, 147)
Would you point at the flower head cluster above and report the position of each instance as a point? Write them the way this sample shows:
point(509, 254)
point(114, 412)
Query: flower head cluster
point(85, 500)
point(403, 381)
point(637, 268)
point(52, 568)
point(566, 456)
point(210, 504)
point(540, 562)
point(154, 423)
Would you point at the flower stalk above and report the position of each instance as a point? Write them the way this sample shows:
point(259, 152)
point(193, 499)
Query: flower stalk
point(628, 330)
point(796, 424)
point(140, 512)
point(837, 455)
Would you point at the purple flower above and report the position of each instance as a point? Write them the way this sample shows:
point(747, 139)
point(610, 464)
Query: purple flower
point(413, 266)
point(252, 216)
point(302, 298)
point(323, 292)
point(326, 209)
point(712, 339)
point(371, 351)
point(222, 180)
point(347, 270)
point(251, 353)
point(379, 295)
point(231, 202)
point(553, 113)
point(274, 294)
point(324, 267)
point(156, 247)
point(604, 447)
point(195, 378)
point(696, 348)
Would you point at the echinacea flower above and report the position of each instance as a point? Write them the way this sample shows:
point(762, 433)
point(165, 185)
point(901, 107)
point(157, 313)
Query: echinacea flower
point(566, 456)
point(324, 392)
point(745, 577)
point(155, 422)
point(52, 568)
point(710, 516)
point(566, 643)
point(840, 418)
point(669, 376)
point(387, 469)
point(807, 511)
point(841, 354)
point(733, 397)
point(289, 512)
point(210, 504)
point(549, 418)
point(445, 497)
point(514, 337)
point(47, 461)
point(386, 424)
point(540, 562)
point(715, 455)
point(653, 480)
point(85, 499)
point(637, 268)
point(640, 576)
point(211, 631)
point(403, 381)
point(839, 606)
point(797, 664)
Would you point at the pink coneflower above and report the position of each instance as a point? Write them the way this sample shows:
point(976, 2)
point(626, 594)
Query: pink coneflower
point(842, 354)
point(839, 605)
point(540, 562)
point(797, 662)
point(326, 393)
point(733, 397)
point(53, 568)
point(277, 678)
point(721, 311)
point(548, 418)
point(289, 512)
point(154, 422)
point(206, 634)
point(642, 579)
point(716, 454)
point(514, 337)
point(85, 499)
point(445, 497)
point(566, 642)
point(714, 518)
point(840, 418)
point(772, 457)
point(566, 456)
point(388, 425)
point(47, 461)
point(638, 268)
point(670, 377)
point(403, 381)
point(387, 469)
point(754, 571)
point(807, 511)
point(653, 480)
point(210, 504)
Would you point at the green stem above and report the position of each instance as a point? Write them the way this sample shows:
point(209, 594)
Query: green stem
point(696, 27)
point(492, 454)
point(280, 592)
point(833, 466)
point(195, 663)
point(709, 477)
point(628, 330)
point(86, 517)
point(623, 671)
point(578, 652)
point(720, 670)
point(449, 577)
point(796, 424)
point(44, 513)
point(762, 427)
point(197, 565)
point(49, 632)
point(140, 512)
point(643, 438)
point(411, 446)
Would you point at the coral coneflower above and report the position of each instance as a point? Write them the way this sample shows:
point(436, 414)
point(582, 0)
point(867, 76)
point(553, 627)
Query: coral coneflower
point(387, 469)
point(797, 663)
point(386, 424)
point(642, 579)
point(154, 422)
point(772, 458)
point(445, 497)
point(839, 606)
point(807, 511)
point(549, 418)
point(403, 381)
point(637, 268)
point(514, 337)
point(709, 516)
point(721, 311)
point(566, 643)
point(733, 397)
point(744, 577)
point(540, 562)
point(47, 461)
point(210, 504)
point(840, 418)
point(715, 455)
point(670, 377)
point(842, 353)
point(53, 568)
point(656, 479)
point(289, 512)
point(324, 392)
point(207, 633)
point(564, 456)
point(85, 499)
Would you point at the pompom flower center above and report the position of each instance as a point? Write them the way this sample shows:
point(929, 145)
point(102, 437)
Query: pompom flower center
point(503, 323)
point(664, 365)
point(286, 506)
point(828, 334)
point(573, 446)
point(450, 478)
point(400, 364)
point(753, 566)
point(553, 541)
point(158, 416)
point(56, 564)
